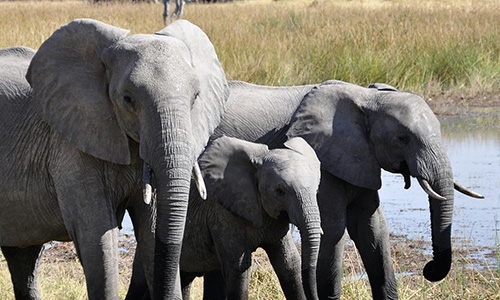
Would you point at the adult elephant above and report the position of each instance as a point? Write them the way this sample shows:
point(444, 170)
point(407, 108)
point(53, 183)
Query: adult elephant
point(355, 132)
point(101, 103)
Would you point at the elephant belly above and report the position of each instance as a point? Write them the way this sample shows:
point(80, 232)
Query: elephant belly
point(29, 217)
point(201, 262)
point(198, 252)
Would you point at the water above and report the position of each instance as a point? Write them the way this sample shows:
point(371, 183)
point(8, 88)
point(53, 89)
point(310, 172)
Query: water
point(473, 146)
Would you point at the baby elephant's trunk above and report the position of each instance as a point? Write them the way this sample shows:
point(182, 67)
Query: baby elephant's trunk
point(308, 221)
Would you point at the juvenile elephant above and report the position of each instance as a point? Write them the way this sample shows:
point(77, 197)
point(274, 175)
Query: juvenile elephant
point(253, 195)
point(355, 132)
point(73, 141)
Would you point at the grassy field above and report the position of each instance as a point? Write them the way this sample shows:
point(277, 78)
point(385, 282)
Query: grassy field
point(61, 276)
point(434, 48)
point(443, 50)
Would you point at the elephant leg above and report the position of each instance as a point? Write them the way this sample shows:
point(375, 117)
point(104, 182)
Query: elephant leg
point(99, 258)
point(367, 227)
point(142, 216)
point(176, 11)
point(330, 265)
point(23, 266)
point(88, 207)
point(237, 282)
point(179, 8)
point(166, 11)
point(333, 196)
point(236, 265)
point(138, 288)
point(286, 262)
point(214, 286)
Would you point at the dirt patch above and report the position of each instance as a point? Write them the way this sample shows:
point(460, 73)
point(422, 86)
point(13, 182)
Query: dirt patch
point(63, 252)
point(445, 105)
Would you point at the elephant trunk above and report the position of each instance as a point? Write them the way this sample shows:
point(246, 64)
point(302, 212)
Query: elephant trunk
point(172, 193)
point(440, 179)
point(171, 159)
point(308, 222)
point(441, 219)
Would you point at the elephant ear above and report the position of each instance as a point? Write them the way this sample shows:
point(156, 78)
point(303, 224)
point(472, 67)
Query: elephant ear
point(331, 119)
point(214, 90)
point(70, 89)
point(229, 169)
point(383, 87)
point(299, 145)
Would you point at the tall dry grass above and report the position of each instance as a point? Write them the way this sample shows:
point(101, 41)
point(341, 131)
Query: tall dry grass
point(61, 276)
point(429, 47)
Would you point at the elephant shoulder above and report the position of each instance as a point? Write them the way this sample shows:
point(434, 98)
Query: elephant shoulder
point(14, 64)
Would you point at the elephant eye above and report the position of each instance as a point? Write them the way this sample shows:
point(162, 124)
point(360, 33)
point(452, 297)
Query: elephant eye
point(404, 139)
point(279, 192)
point(129, 102)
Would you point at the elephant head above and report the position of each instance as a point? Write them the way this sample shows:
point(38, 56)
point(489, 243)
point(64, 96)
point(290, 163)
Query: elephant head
point(249, 180)
point(357, 131)
point(120, 98)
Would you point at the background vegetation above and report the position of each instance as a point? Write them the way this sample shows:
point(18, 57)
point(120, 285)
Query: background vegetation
point(429, 47)
point(441, 49)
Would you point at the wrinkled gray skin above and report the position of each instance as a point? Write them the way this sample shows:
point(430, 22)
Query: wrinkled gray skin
point(253, 195)
point(179, 10)
point(355, 132)
point(73, 145)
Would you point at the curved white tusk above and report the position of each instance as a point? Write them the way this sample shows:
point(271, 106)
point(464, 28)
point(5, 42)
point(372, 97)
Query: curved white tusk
point(462, 189)
point(427, 188)
point(200, 184)
point(147, 190)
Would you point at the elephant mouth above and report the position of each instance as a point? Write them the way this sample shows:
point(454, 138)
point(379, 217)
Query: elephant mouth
point(405, 171)
point(148, 186)
point(283, 215)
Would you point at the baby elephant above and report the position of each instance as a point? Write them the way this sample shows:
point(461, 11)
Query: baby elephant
point(253, 195)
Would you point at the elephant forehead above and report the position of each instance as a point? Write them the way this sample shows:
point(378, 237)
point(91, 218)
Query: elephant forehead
point(291, 167)
point(412, 112)
point(155, 48)
point(153, 61)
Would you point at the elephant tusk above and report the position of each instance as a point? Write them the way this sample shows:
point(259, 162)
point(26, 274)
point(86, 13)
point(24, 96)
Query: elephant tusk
point(462, 189)
point(147, 190)
point(428, 189)
point(200, 184)
point(321, 231)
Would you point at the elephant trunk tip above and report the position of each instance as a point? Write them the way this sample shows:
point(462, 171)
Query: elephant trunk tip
point(437, 269)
